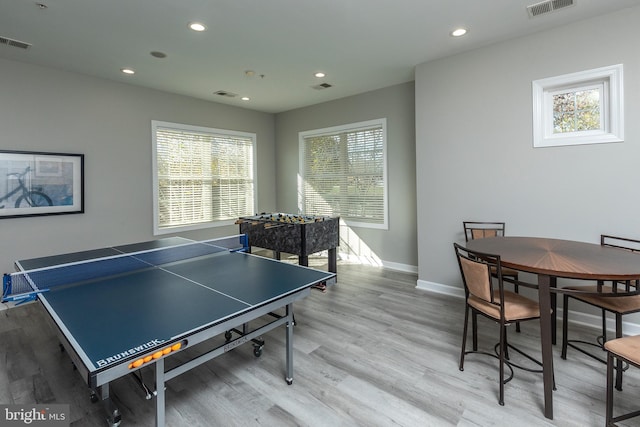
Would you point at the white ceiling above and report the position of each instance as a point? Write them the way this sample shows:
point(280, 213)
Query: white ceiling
point(362, 45)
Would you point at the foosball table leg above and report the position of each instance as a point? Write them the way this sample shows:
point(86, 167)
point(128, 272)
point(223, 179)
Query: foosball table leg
point(333, 260)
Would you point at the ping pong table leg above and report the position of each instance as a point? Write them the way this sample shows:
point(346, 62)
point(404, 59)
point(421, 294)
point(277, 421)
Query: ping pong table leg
point(289, 377)
point(160, 393)
point(113, 415)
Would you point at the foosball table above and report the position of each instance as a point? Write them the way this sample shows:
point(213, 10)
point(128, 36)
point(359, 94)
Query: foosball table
point(300, 235)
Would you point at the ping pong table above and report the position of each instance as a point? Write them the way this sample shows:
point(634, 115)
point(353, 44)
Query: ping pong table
point(121, 309)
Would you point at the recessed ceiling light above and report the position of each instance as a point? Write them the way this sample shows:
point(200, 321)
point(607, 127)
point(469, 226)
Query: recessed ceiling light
point(197, 26)
point(127, 71)
point(245, 98)
point(157, 54)
point(459, 32)
point(320, 74)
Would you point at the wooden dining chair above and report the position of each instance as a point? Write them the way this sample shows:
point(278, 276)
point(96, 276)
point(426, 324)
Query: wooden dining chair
point(625, 350)
point(485, 295)
point(618, 306)
point(481, 229)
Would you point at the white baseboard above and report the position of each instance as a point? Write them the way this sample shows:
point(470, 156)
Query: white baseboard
point(576, 317)
point(593, 321)
point(439, 288)
point(400, 267)
point(376, 262)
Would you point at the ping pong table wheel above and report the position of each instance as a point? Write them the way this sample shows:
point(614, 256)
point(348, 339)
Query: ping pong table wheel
point(228, 335)
point(93, 396)
point(289, 381)
point(114, 419)
point(257, 350)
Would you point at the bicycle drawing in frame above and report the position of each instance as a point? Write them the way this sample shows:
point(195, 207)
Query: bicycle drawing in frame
point(35, 183)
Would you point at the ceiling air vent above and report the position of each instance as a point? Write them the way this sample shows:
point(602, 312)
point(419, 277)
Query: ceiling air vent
point(548, 6)
point(226, 93)
point(322, 86)
point(14, 43)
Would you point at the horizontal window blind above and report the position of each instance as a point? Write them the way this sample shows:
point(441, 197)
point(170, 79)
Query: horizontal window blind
point(344, 173)
point(202, 177)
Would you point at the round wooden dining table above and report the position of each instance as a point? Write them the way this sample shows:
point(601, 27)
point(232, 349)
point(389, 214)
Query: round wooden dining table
point(550, 259)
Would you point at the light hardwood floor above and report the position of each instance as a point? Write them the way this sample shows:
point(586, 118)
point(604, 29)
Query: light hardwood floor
point(371, 351)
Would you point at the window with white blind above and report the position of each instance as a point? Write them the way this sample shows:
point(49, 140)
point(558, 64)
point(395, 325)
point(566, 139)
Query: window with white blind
point(343, 171)
point(203, 177)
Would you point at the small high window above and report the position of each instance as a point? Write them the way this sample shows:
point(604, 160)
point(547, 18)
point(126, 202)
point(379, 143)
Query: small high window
point(579, 108)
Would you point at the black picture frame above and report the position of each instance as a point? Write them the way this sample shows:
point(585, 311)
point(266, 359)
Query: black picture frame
point(40, 183)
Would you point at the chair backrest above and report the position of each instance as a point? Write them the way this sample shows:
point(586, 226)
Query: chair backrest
point(627, 244)
point(477, 269)
point(481, 229)
point(632, 245)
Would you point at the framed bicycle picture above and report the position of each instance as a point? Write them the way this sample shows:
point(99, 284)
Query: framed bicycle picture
point(35, 183)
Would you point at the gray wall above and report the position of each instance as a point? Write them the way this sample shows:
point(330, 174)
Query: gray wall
point(43, 109)
point(474, 152)
point(395, 247)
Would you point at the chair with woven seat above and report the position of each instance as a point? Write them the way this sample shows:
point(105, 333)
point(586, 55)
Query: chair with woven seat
point(485, 295)
point(481, 229)
point(618, 306)
point(625, 350)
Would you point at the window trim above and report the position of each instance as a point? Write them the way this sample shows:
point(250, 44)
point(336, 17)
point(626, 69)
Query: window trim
point(155, 124)
point(351, 127)
point(612, 103)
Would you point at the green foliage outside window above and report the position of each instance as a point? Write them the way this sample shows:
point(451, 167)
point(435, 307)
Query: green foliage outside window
point(576, 111)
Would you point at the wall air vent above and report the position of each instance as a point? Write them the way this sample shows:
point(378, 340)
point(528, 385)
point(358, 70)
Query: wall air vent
point(226, 93)
point(322, 86)
point(548, 6)
point(14, 43)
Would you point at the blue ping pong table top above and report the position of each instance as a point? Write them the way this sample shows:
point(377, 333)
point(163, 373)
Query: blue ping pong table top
point(48, 261)
point(131, 313)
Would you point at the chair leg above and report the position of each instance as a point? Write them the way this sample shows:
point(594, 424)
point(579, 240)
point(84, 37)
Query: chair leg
point(553, 374)
point(506, 343)
point(604, 326)
point(501, 357)
point(464, 337)
point(609, 414)
point(565, 326)
point(618, 362)
point(516, 290)
point(474, 330)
